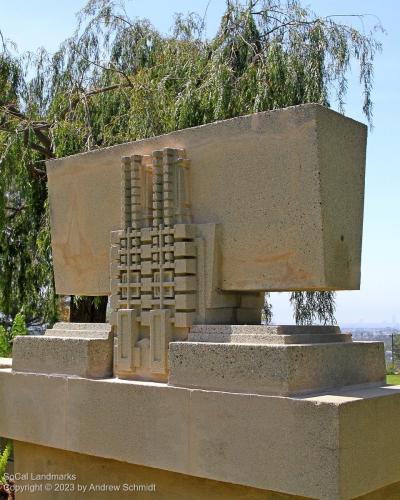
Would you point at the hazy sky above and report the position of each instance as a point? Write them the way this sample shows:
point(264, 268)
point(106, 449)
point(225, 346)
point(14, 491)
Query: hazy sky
point(46, 23)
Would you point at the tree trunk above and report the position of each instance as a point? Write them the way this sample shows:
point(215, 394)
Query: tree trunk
point(88, 309)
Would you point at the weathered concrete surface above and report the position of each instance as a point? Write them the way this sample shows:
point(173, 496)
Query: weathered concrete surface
point(267, 334)
point(132, 481)
point(326, 446)
point(81, 330)
point(157, 483)
point(82, 349)
point(287, 187)
point(275, 369)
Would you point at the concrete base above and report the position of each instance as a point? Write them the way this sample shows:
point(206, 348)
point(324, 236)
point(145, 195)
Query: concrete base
point(273, 360)
point(81, 349)
point(93, 475)
point(283, 370)
point(332, 446)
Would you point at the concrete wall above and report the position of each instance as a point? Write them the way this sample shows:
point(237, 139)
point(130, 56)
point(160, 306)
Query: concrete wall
point(333, 446)
point(287, 187)
point(93, 472)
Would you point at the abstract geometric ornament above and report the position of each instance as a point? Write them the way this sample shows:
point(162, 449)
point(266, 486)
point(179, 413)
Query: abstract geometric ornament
point(153, 263)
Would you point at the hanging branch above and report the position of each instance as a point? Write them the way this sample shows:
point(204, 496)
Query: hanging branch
point(118, 79)
point(112, 67)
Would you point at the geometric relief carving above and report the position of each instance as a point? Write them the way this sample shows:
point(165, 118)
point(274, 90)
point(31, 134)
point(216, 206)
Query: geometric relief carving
point(153, 263)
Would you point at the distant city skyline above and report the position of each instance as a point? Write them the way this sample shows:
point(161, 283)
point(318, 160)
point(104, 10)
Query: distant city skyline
point(377, 303)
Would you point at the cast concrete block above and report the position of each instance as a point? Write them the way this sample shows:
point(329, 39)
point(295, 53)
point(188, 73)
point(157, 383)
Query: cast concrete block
point(280, 369)
point(33, 408)
point(126, 481)
point(137, 424)
point(286, 186)
point(328, 447)
point(82, 349)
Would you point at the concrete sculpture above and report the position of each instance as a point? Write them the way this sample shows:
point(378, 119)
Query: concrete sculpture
point(159, 266)
point(185, 232)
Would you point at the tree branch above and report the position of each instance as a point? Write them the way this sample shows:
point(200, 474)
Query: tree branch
point(45, 151)
point(41, 137)
point(75, 99)
point(123, 19)
point(106, 89)
point(16, 211)
point(105, 68)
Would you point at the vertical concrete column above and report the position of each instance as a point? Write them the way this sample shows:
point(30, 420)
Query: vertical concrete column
point(160, 336)
point(182, 189)
point(169, 179)
point(136, 209)
point(157, 189)
point(147, 190)
point(126, 192)
point(128, 335)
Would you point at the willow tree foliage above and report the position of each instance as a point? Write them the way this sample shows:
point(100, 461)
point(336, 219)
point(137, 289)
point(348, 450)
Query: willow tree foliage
point(118, 79)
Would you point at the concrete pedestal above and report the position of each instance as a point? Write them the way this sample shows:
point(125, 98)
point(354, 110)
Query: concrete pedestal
point(274, 360)
point(124, 480)
point(332, 444)
point(337, 445)
point(82, 349)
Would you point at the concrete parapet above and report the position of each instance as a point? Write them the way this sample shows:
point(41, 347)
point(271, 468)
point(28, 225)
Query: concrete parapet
point(325, 445)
